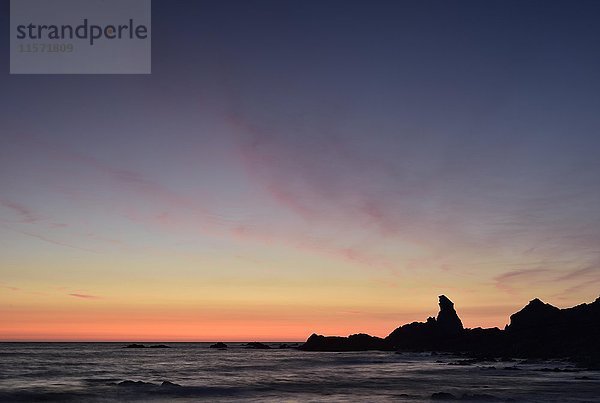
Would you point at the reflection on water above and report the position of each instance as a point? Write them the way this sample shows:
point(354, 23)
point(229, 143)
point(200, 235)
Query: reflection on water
point(100, 371)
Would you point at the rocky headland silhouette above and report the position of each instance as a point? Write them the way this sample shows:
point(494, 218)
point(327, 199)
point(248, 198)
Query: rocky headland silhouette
point(539, 330)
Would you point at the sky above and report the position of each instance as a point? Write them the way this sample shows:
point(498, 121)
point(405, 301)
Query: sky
point(292, 167)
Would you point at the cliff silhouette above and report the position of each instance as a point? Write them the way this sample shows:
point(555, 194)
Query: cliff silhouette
point(539, 330)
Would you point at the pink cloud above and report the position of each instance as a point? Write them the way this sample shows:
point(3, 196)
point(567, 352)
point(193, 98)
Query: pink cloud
point(27, 215)
point(328, 180)
point(178, 214)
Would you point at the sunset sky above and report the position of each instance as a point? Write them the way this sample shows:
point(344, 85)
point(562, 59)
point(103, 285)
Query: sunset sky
point(292, 167)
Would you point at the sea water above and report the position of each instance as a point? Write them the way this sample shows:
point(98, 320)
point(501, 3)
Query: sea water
point(98, 372)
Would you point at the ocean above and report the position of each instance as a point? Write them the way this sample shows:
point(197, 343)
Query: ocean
point(191, 372)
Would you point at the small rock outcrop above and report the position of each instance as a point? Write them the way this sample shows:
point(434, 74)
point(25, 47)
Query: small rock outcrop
point(219, 345)
point(169, 384)
point(355, 342)
point(257, 346)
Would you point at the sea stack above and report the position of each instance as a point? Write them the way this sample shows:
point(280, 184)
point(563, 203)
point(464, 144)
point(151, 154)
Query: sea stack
point(447, 320)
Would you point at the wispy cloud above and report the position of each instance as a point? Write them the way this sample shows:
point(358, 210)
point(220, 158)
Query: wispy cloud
point(586, 272)
point(580, 280)
point(51, 240)
point(177, 213)
point(568, 281)
point(517, 275)
point(84, 296)
point(513, 280)
point(415, 183)
point(25, 214)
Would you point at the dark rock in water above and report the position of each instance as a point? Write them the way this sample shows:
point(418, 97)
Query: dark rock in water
point(355, 342)
point(542, 330)
point(286, 345)
point(443, 396)
point(447, 320)
point(168, 384)
point(219, 345)
point(534, 315)
point(257, 345)
point(539, 330)
point(143, 346)
point(137, 384)
point(434, 334)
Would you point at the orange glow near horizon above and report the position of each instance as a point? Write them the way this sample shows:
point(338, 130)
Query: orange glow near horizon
point(76, 318)
point(262, 306)
point(161, 329)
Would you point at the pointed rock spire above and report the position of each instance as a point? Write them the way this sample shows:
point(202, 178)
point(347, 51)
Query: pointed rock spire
point(447, 320)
